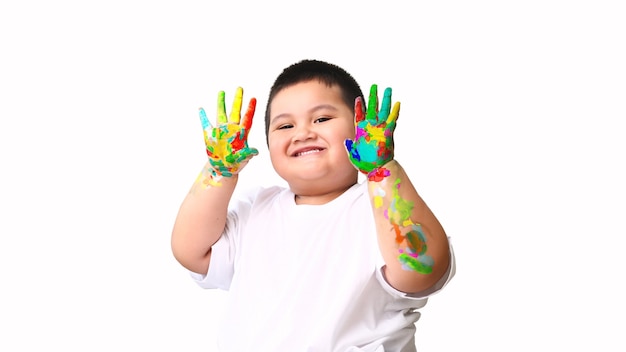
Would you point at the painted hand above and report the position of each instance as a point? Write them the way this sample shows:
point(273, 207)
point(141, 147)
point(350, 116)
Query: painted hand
point(372, 146)
point(227, 143)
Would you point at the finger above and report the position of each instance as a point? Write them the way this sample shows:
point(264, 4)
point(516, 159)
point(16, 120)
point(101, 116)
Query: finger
point(221, 108)
point(206, 128)
point(247, 118)
point(235, 112)
point(372, 105)
point(385, 106)
point(206, 124)
point(359, 110)
point(395, 113)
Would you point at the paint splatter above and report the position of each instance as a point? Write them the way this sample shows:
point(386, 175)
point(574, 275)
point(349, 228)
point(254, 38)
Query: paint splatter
point(413, 255)
point(423, 264)
point(207, 178)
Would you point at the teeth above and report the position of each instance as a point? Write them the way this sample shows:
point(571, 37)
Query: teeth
point(308, 152)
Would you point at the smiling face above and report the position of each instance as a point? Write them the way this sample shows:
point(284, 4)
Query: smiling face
point(309, 123)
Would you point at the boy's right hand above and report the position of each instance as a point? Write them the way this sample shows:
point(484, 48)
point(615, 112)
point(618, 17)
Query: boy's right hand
point(227, 143)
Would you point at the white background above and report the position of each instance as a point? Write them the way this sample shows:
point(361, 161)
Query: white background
point(511, 127)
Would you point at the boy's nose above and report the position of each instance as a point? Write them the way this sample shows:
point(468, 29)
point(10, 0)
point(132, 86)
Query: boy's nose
point(303, 133)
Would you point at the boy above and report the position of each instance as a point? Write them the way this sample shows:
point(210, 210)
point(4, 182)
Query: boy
point(329, 263)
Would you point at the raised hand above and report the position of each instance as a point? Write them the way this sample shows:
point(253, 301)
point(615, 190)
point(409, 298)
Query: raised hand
point(372, 146)
point(227, 142)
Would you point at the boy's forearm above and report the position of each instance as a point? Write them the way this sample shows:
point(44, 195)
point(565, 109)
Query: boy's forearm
point(412, 241)
point(201, 220)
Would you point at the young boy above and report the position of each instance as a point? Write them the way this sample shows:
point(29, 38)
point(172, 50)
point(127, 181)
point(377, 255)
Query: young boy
point(329, 263)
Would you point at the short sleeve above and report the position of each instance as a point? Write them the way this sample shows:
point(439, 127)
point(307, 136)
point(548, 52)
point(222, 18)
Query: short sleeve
point(221, 267)
point(424, 294)
point(224, 251)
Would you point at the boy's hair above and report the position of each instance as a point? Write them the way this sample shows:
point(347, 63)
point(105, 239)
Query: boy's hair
point(307, 70)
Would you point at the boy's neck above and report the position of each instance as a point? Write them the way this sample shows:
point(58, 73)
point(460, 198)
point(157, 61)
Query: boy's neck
point(319, 199)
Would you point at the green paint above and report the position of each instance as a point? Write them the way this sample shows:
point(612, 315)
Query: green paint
point(422, 265)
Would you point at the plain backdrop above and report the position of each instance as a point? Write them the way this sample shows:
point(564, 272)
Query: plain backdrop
point(512, 128)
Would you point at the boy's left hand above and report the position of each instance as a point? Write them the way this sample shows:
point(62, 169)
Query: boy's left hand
point(372, 146)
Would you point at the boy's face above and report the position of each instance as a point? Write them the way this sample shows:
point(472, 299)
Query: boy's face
point(309, 123)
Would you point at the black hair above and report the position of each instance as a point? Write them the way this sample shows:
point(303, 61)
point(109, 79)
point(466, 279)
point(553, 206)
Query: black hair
point(308, 70)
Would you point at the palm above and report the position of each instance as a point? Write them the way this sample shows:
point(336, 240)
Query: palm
point(373, 145)
point(227, 143)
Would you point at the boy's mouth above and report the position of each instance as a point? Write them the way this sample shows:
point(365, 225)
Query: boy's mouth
point(307, 151)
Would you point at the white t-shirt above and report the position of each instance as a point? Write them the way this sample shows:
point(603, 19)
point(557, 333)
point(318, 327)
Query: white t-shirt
point(308, 278)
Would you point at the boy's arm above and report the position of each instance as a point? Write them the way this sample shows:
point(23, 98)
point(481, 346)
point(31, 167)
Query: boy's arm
point(202, 215)
point(413, 243)
point(200, 221)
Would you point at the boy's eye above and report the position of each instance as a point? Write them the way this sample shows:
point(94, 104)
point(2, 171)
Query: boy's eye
point(283, 127)
point(322, 119)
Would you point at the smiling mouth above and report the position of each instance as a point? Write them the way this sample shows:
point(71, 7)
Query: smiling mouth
point(307, 152)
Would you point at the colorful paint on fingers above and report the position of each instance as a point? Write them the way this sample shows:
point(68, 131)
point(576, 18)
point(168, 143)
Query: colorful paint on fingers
point(226, 144)
point(373, 145)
